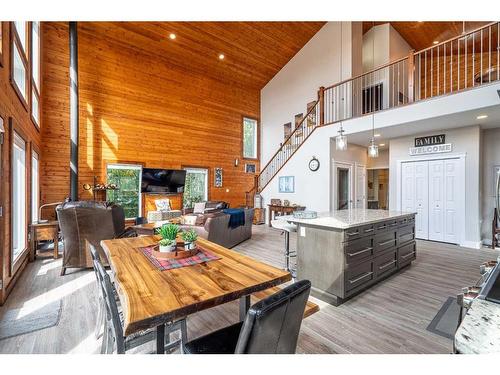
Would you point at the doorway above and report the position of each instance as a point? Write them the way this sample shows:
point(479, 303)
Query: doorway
point(378, 188)
point(349, 185)
point(435, 189)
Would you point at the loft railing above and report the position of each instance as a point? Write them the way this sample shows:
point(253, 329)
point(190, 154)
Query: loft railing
point(469, 60)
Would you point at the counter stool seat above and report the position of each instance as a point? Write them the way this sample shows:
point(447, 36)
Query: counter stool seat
point(286, 228)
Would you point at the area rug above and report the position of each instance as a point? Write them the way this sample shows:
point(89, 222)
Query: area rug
point(446, 320)
point(11, 325)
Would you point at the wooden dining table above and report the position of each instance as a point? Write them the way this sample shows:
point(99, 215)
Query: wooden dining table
point(152, 298)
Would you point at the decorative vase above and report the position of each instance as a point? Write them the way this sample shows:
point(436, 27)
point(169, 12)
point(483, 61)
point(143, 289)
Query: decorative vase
point(189, 245)
point(168, 249)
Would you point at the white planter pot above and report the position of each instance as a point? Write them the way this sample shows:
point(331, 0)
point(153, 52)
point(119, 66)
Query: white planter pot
point(189, 245)
point(168, 249)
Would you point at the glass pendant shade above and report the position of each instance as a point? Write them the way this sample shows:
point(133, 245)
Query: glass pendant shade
point(341, 141)
point(373, 149)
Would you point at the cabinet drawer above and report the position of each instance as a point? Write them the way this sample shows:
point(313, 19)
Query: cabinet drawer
point(358, 232)
point(384, 241)
point(407, 253)
point(385, 225)
point(406, 220)
point(406, 234)
point(386, 263)
point(358, 250)
point(359, 275)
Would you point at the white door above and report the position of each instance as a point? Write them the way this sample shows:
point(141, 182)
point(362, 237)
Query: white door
point(453, 185)
point(343, 186)
point(422, 199)
point(436, 200)
point(360, 186)
point(408, 187)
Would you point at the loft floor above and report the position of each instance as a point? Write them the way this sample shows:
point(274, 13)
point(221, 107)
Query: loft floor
point(390, 317)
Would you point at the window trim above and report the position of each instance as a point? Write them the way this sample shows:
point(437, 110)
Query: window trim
point(128, 164)
point(209, 185)
point(33, 84)
point(257, 158)
point(34, 149)
point(14, 265)
point(15, 42)
point(1, 43)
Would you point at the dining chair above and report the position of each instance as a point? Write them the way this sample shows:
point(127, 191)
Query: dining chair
point(271, 326)
point(113, 335)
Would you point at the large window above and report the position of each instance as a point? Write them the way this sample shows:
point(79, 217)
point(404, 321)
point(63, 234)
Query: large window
point(1, 43)
point(19, 226)
point(35, 72)
point(196, 188)
point(35, 186)
point(250, 138)
point(127, 178)
point(20, 65)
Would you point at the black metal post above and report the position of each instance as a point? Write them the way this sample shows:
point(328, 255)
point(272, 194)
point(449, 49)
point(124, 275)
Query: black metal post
point(73, 110)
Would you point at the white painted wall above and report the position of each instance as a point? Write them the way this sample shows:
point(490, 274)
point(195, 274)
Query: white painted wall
point(381, 162)
point(376, 47)
point(490, 155)
point(465, 141)
point(398, 47)
point(317, 64)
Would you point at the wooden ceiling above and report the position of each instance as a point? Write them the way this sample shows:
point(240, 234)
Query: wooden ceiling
point(254, 51)
point(420, 35)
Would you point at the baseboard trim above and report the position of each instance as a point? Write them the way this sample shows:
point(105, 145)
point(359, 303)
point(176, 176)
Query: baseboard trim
point(471, 244)
point(486, 242)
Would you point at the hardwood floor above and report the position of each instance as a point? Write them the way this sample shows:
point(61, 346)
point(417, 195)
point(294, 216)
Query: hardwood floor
point(391, 317)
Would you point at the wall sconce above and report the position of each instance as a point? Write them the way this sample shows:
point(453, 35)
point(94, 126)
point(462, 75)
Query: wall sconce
point(236, 162)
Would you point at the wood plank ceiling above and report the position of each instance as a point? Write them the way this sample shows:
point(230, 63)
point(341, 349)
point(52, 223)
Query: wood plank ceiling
point(421, 35)
point(253, 51)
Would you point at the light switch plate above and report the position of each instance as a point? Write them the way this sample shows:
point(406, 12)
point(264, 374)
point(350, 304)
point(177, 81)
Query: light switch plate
point(302, 231)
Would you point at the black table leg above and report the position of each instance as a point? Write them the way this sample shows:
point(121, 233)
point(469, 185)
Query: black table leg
point(244, 306)
point(160, 339)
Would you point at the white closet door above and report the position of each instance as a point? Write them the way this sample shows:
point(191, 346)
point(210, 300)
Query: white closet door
point(436, 200)
point(408, 187)
point(453, 185)
point(360, 186)
point(422, 199)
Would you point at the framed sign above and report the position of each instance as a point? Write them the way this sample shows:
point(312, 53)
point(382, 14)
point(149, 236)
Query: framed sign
point(218, 177)
point(434, 149)
point(430, 140)
point(249, 168)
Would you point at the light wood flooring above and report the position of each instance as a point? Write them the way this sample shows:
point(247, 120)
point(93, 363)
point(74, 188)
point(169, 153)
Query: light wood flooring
point(391, 317)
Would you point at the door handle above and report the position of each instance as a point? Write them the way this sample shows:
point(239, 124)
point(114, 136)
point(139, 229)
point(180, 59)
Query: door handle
point(360, 278)
point(387, 265)
point(360, 252)
point(385, 242)
point(407, 255)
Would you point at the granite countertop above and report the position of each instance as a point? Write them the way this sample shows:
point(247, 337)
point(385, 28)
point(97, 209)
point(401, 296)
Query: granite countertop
point(344, 219)
point(480, 329)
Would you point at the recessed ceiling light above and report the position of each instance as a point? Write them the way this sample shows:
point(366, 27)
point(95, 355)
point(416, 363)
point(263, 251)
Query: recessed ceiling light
point(221, 56)
point(382, 144)
point(435, 42)
point(172, 36)
point(376, 135)
point(480, 117)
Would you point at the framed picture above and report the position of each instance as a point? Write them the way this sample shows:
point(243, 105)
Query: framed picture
point(311, 119)
point(287, 184)
point(298, 119)
point(287, 130)
point(218, 177)
point(250, 168)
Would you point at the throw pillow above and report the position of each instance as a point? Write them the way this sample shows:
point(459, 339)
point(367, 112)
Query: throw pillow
point(199, 208)
point(162, 204)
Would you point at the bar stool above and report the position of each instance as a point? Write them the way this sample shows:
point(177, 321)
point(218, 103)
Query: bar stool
point(287, 228)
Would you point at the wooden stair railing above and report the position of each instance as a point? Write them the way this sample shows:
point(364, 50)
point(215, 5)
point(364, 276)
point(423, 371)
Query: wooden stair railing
point(441, 69)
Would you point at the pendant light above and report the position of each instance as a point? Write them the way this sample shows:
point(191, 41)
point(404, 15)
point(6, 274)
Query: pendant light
point(341, 139)
point(373, 148)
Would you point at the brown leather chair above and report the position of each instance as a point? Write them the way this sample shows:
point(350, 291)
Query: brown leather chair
point(88, 222)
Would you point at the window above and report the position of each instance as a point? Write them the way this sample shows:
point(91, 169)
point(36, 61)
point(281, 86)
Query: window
point(35, 187)
point(127, 178)
point(19, 222)
point(250, 138)
point(1, 43)
point(196, 187)
point(19, 59)
point(35, 72)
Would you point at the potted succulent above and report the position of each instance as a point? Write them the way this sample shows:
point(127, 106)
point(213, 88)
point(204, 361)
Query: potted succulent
point(189, 237)
point(168, 234)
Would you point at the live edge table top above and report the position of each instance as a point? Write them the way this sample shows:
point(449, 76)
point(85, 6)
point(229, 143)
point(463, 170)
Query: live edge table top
point(151, 297)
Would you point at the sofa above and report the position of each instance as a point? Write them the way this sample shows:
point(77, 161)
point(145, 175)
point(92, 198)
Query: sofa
point(215, 228)
point(210, 207)
point(84, 222)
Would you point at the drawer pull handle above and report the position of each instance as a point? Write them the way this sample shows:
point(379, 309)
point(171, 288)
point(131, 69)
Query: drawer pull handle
point(393, 224)
point(352, 233)
point(369, 230)
point(385, 242)
point(360, 252)
point(382, 227)
point(360, 278)
point(407, 255)
point(387, 265)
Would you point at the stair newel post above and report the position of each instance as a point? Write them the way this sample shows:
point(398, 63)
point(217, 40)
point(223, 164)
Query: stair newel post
point(411, 76)
point(321, 97)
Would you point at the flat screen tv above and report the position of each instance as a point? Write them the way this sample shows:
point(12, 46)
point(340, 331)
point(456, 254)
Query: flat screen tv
point(163, 180)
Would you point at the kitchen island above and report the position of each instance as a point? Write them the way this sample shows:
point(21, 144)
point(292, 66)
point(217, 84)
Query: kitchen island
point(344, 252)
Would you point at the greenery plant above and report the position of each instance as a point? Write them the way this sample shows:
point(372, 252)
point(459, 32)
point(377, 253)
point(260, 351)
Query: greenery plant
point(189, 236)
point(168, 232)
point(166, 242)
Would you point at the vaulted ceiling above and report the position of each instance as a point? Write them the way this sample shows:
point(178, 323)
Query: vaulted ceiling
point(420, 35)
point(253, 51)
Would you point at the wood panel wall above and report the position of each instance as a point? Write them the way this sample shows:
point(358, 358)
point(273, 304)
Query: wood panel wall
point(136, 107)
point(11, 107)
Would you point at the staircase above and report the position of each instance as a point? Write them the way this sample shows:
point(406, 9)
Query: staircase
point(466, 61)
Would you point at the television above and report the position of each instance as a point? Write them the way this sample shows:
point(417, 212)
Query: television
point(163, 181)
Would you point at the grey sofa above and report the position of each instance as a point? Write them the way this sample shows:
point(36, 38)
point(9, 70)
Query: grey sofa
point(216, 229)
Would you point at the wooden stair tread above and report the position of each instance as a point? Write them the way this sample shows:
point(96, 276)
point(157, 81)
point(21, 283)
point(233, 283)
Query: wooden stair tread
point(310, 309)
